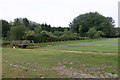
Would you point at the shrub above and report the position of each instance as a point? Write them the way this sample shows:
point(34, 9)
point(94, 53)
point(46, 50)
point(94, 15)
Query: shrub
point(91, 33)
point(5, 42)
point(99, 34)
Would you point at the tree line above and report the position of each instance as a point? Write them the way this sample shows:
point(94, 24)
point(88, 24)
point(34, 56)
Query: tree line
point(90, 25)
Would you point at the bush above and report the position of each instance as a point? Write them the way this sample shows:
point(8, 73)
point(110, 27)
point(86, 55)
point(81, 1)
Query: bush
point(84, 38)
point(45, 36)
point(57, 33)
point(91, 33)
point(99, 34)
point(5, 42)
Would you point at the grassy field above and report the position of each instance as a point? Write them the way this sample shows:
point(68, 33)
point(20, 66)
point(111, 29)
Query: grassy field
point(104, 45)
point(74, 59)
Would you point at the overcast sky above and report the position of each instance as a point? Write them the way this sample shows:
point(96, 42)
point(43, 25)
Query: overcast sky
point(56, 12)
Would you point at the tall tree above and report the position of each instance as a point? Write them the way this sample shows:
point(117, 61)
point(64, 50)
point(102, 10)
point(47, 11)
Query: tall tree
point(26, 22)
point(110, 19)
point(88, 20)
point(17, 21)
point(18, 32)
point(38, 29)
point(46, 27)
point(5, 28)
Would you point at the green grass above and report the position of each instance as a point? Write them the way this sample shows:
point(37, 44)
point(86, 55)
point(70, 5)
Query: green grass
point(104, 45)
point(54, 62)
point(64, 42)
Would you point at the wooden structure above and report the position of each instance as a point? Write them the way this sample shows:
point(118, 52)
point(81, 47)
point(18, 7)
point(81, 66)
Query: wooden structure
point(21, 43)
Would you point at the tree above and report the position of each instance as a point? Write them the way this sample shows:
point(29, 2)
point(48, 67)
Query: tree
point(80, 30)
point(18, 32)
point(37, 29)
point(57, 33)
point(88, 20)
point(28, 34)
point(66, 32)
point(17, 21)
point(108, 29)
point(5, 28)
point(91, 33)
point(33, 25)
point(26, 22)
point(60, 29)
point(110, 19)
point(46, 27)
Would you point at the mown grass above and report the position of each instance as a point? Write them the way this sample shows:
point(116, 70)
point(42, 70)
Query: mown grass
point(51, 62)
point(103, 45)
point(65, 42)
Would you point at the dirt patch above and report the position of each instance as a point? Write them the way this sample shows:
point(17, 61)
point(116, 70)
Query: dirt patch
point(99, 71)
point(71, 73)
point(93, 72)
point(70, 51)
point(100, 44)
point(88, 52)
point(27, 66)
point(74, 46)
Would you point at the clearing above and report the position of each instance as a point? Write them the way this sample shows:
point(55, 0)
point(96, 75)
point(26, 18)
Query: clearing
point(74, 59)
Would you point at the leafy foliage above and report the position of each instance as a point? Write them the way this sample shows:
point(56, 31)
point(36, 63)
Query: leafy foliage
point(84, 22)
point(18, 32)
point(85, 26)
point(57, 33)
point(99, 34)
point(91, 33)
point(5, 28)
point(28, 34)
